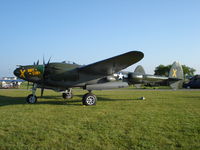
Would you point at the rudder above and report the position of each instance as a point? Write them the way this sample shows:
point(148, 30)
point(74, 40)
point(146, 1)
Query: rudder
point(139, 70)
point(176, 76)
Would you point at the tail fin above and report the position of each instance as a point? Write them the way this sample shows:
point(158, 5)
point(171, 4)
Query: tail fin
point(139, 70)
point(176, 76)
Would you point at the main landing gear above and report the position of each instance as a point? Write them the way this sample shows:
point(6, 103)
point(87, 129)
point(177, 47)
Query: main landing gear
point(89, 99)
point(32, 98)
point(67, 94)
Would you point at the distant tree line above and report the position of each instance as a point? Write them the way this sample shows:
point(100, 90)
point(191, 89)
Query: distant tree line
point(163, 70)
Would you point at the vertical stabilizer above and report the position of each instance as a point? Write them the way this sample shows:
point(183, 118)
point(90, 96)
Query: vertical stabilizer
point(139, 70)
point(176, 76)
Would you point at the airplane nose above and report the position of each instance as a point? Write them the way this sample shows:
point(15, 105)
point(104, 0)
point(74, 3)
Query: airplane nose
point(17, 72)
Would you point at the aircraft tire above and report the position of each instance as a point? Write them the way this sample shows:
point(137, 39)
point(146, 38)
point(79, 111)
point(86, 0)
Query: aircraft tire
point(31, 99)
point(67, 95)
point(89, 99)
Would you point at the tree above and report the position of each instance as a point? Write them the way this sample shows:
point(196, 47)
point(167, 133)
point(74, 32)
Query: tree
point(188, 71)
point(162, 70)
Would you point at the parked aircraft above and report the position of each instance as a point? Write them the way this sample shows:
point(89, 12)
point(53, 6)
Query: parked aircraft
point(64, 76)
point(101, 75)
point(175, 78)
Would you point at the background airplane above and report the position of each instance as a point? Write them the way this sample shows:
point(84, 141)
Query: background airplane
point(175, 79)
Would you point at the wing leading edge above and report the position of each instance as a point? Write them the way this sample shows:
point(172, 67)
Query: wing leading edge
point(113, 65)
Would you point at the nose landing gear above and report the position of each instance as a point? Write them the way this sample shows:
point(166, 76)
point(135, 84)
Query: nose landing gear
point(32, 98)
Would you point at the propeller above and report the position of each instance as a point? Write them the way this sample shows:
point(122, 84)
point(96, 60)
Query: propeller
point(43, 78)
point(34, 65)
point(44, 75)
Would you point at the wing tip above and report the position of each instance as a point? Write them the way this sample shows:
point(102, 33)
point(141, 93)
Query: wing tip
point(138, 54)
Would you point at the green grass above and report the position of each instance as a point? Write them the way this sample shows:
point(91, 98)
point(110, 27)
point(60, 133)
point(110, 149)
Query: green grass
point(164, 120)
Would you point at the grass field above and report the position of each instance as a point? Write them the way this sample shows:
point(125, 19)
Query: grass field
point(164, 120)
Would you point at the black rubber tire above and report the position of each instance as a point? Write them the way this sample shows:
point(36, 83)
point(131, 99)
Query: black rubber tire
point(31, 99)
point(89, 99)
point(83, 99)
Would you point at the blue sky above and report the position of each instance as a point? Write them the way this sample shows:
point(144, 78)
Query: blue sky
point(91, 30)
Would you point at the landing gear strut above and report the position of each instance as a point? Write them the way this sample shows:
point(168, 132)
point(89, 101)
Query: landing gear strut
point(32, 98)
point(89, 99)
point(67, 94)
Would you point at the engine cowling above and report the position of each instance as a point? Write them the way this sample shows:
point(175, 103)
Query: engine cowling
point(135, 78)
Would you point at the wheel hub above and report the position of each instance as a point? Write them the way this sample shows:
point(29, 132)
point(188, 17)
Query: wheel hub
point(90, 100)
point(32, 99)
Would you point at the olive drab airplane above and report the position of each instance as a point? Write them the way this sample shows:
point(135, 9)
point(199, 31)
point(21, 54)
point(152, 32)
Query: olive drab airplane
point(105, 74)
point(64, 76)
point(175, 78)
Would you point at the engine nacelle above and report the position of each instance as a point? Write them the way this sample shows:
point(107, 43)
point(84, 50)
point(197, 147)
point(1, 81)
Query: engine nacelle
point(135, 78)
point(140, 79)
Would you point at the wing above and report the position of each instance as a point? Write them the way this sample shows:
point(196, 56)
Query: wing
point(113, 65)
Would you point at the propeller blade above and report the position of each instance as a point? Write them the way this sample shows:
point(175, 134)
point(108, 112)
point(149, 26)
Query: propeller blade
point(44, 75)
point(43, 61)
point(42, 92)
point(28, 86)
point(49, 61)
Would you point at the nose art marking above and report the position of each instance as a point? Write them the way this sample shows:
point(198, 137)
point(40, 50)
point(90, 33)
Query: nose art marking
point(174, 73)
point(22, 73)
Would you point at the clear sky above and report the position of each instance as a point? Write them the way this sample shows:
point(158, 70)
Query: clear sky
point(86, 31)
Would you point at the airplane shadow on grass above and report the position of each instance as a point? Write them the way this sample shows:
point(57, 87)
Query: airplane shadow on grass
point(191, 97)
point(52, 100)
